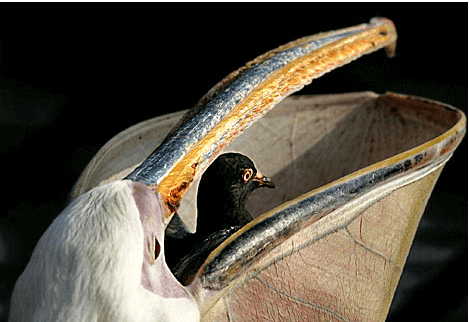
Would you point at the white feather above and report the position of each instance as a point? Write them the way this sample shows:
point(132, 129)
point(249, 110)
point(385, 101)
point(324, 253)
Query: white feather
point(88, 266)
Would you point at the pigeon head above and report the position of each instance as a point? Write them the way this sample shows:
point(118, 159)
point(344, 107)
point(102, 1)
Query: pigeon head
point(224, 190)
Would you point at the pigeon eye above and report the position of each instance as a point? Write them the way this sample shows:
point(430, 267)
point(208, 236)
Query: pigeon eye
point(247, 175)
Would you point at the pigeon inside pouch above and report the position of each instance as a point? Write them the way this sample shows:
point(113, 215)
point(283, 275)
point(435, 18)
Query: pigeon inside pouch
point(223, 192)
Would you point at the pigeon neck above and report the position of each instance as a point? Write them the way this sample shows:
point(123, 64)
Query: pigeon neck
point(220, 213)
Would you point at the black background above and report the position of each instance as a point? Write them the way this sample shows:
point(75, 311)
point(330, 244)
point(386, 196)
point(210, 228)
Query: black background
point(74, 75)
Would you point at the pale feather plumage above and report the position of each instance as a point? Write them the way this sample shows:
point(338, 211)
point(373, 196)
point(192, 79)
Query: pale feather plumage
point(88, 264)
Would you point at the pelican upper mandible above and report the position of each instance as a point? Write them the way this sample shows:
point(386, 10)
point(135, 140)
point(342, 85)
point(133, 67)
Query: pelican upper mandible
point(102, 258)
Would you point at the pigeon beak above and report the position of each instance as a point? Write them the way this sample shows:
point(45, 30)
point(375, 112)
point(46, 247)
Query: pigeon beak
point(263, 181)
point(243, 97)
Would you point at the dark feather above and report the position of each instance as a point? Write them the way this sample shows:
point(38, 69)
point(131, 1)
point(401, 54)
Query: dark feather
point(221, 201)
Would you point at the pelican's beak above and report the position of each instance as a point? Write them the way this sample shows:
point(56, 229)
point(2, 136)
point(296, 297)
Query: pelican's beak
point(263, 181)
point(246, 95)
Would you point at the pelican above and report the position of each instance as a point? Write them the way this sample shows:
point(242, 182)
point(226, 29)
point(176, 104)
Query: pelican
point(102, 258)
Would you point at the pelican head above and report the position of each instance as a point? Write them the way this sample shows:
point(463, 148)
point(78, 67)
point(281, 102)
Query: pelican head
point(89, 264)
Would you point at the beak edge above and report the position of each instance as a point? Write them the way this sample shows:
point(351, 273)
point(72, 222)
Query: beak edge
point(264, 181)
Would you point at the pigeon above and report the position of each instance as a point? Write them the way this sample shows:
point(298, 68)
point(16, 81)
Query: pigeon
point(221, 206)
